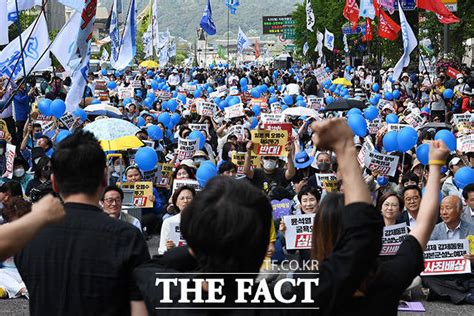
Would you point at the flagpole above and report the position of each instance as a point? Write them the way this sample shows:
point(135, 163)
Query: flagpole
point(18, 26)
point(228, 30)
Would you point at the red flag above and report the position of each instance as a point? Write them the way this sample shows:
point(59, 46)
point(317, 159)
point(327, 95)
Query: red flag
point(443, 14)
point(387, 27)
point(257, 49)
point(351, 12)
point(369, 34)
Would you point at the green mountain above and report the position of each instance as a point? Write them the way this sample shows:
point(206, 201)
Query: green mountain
point(182, 16)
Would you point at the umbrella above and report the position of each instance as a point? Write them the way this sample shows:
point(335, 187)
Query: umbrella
point(111, 129)
point(342, 81)
point(345, 105)
point(300, 111)
point(103, 109)
point(149, 64)
point(122, 143)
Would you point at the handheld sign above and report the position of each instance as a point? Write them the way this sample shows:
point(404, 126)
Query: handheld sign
point(462, 118)
point(10, 158)
point(367, 147)
point(374, 126)
point(126, 92)
point(199, 127)
point(239, 160)
point(465, 144)
point(383, 164)
point(392, 238)
point(237, 130)
point(281, 208)
point(276, 108)
point(446, 257)
point(315, 103)
point(205, 108)
point(175, 235)
point(272, 118)
point(186, 148)
point(166, 170)
point(186, 182)
point(141, 193)
point(299, 231)
point(269, 143)
point(327, 181)
point(396, 127)
point(68, 120)
point(236, 110)
point(279, 127)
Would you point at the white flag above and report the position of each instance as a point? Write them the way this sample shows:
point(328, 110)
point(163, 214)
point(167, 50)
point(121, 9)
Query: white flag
point(114, 34)
point(367, 9)
point(164, 58)
point(75, 4)
point(78, 85)
point(172, 50)
point(329, 40)
point(154, 30)
point(105, 56)
point(37, 44)
point(148, 42)
point(409, 44)
point(22, 5)
point(305, 48)
point(242, 41)
point(128, 43)
point(3, 23)
point(164, 39)
point(62, 47)
point(309, 16)
point(346, 46)
point(319, 45)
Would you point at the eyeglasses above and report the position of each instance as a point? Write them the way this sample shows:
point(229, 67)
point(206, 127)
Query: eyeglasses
point(414, 199)
point(111, 201)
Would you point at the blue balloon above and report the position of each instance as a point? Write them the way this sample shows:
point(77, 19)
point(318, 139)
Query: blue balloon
point(382, 181)
point(396, 94)
point(146, 158)
point(140, 121)
point(354, 111)
point(329, 100)
point(371, 113)
point(388, 95)
point(358, 124)
point(44, 107)
point(425, 109)
point(407, 138)
point(255, 93)
point(332, 88)
point(377, 97)
point(111, 85)
point(197, 93)
point(253, 122)
point(223, 104)
point(244, 88)
point(233, 101)
point(299, 98)
point(62, 135)
point(447, 137)
point(164, 118)
point(199, 136)
point(256, 109)
point(463, 177)
point(448, 93)
point(263, 88)
point(280, 88)
point(422, 154)
point(390, 141)
point(205, 173)
point(164, 106)
point(96, 101)
point(271, 90)
point(155, 132)
point(288, 100)
point(104, 72)
point(328, 70)
point(210, 90)
point(175, 94)
point(117, 73)
point(301, 103)
point(272, 100)
point(346, 96)
point(155, 85)
point(182, 98)
point(148, 102)
point(127, 101)
point(80, 113)
point(392, 118)
point(284, 107)
point(150, 73)
point(375, 87)
point(172, 105)
point(217, 100)
point(175, 118)
point(57, 107)
point(206, 86)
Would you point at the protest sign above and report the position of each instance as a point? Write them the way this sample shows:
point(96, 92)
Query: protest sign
point(367, 147)
point(281, 208)
point(185, 182)
point(327, 181)
point(462, 118)
point(186, 148)
point(392, 238)
point(315, 103)
point(153, 175)
point(272, 118)
point(126, 92)
point(414, 119)
point(446, 257)
point(465, 144)
point(10, 158)
point(279, 127)
point(205, 108)
point(189, 87)
point(261, 102)
point(68, 120)
point(269, 143)
point(165, 95)
point(374, 126)
point(199, 127)
point(322, 75)
point(236, 110)
point(276, 108)
point(101, 90)
point(239, 160)
point(136, 84)
point(175, 235)
point(383, 164)
point(142, 191)
point(299, 231)
point(166, 170)
point(237, 130)
point(396, 127)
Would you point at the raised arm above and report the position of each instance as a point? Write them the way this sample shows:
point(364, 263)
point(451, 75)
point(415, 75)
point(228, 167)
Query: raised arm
point(248, 161)
point(429, 206)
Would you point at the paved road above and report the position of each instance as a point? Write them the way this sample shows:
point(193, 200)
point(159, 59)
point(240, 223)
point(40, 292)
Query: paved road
point(20, 306)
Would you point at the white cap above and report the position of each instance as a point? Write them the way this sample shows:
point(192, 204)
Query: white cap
point(189, 163)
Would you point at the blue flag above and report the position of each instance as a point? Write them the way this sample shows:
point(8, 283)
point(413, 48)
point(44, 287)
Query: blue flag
point(207, 23)
point(232, 5)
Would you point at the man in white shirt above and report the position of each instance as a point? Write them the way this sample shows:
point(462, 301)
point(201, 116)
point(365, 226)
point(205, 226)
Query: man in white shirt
point(174, 80)
point(412, 200)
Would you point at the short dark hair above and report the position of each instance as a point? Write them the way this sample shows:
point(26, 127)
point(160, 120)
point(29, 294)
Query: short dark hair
point(13, 188)
point(78, 164)
point(48, 140)
point(411, 187)
point(178, 191)
point(227, 166)
point(188, 169)
point(384, 197)
point(15, 207)
point(115, 188)
point(467, 189)
point(307, 189)
point(35, 125)
point(410, 176)
point(227, 226)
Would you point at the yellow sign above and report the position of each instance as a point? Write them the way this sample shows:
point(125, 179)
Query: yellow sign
point(166, 173)
point(471, 243)
point(270, 143)
point(239, 160)
point(142, 191)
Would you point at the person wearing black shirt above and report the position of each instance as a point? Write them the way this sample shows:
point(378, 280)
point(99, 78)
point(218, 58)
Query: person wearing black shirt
point(82, 265)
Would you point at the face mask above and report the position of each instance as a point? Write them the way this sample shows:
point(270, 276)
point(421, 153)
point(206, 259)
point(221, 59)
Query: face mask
point(38, 135)
point(198, 160)
point(269, 164)
point(324, 166)
point(18, 173)
point(460, 80)
point(118, 169)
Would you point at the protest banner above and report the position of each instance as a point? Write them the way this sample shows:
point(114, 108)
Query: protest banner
point(396, 127)
point(261, 102)
point(315, 103)
point(465, 144)
point(142, 191)
point(392, 238)
point(10, 154)
point(189, 87)
point(322, 75)
point(239, 160)
point(462, 118)
point(199, 127)
point(281, 208)
point(299, 231)
point(185, 182)
point(272, 118)
point(444, 257)
point(276, 108)
point(327, 181)
point(374, 126)
point(279, 127)
point(269, 143)
point(165, 95)
point(414, 119)
point(136, 84)
point(126, 92)
point(236, 110)
point(101, 90)
point(166, 170)
point(205, 108)
point(237, 130)
point(383, 164)
point(367, 147)
point(186, 148)
point(175, 235)
point(68, 120)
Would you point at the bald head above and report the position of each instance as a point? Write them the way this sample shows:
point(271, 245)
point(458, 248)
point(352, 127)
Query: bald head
point(451, 210)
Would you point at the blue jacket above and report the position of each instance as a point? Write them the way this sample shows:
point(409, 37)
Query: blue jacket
point(21, 102)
